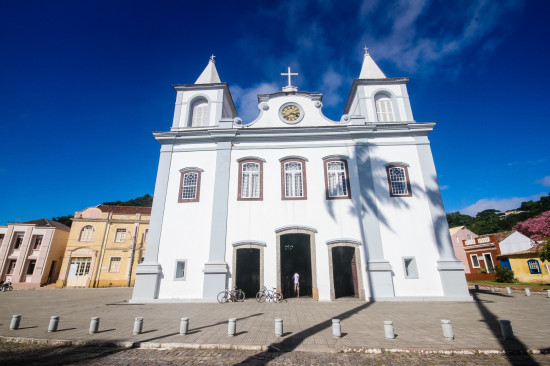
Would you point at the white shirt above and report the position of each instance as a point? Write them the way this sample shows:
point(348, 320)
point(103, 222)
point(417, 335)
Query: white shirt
point(296, 278)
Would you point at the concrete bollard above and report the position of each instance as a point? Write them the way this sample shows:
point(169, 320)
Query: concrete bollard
point(492, 288)
point(279, 327)
point(548, 294)
point(388, 329)
point(231, 327)
point(94, 325)
point(15, 320)
point(506, 329)
point(508, 290)
point(336, 328)
point(184, 326)
point(447, 329)
point(527, 292)
point(138, 325)
point(477, 287)
point(54, 322)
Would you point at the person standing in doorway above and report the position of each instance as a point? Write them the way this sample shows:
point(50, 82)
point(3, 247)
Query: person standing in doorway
point(296, 279)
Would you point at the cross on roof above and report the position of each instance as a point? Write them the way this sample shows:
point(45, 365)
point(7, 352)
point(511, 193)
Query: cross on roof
point(366, 50)
point(289, 74)
point(212, 58)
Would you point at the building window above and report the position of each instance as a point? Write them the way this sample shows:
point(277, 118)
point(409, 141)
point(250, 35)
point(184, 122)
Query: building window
point(475, 260)
point(87, 233)
point(120, 236)
point(534, 266)
point(30, 267)
point(18, 241)
point(336, 179)
point(190, 184)
point(199, 111)
point(398, 180)
point(82, 265)
point(114, 265)
point(11, 266)
point(409, 263)
point(1, 238)
point(250, 180)
point(293, 179)
point(384, 108)
point(489, 262)
point(144, 239)
point(37, 242)
point(181, 269)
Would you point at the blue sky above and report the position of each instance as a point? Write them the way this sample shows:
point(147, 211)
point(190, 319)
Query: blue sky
point(84, 83)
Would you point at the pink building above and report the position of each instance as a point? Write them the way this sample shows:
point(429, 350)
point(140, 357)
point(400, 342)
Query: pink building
point(31, 252)
point(458, 235)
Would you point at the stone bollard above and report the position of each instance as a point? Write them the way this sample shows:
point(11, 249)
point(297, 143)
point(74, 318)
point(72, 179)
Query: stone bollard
point(15, 320)
point(388, 329)
point(184, 326)
point(138, 325)
point(508, 290)
point(54, 322)
point(527, 292)
point(94, 325)
point(492, 288)
point(447, 329)
point(336, 328)
point(231, 327)
point(279, 327)
point(506, 329)
point(477, 287)
point(548, 294)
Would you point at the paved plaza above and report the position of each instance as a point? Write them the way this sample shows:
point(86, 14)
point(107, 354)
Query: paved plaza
point(307, 323)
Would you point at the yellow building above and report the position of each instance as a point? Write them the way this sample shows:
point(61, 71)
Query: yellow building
point(527, 265)
point(105, 245)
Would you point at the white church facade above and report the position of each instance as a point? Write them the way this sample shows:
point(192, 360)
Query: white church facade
point(353, 206)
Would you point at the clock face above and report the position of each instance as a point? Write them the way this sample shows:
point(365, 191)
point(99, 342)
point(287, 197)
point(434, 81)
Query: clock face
point(291, 113)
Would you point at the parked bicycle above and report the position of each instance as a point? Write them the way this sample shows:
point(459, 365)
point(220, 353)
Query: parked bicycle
point(235, 295)
point(6, 286)
point(270, 295)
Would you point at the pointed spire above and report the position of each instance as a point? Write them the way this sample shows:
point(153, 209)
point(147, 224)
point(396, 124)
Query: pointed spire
point(370, 69)
point(210, 74)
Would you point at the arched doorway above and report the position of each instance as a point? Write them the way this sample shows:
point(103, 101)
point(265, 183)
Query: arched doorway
point(296, 253)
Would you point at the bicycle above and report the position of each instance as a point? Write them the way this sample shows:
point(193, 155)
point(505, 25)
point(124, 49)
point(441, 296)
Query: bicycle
point(235, 295)
point(271, 295)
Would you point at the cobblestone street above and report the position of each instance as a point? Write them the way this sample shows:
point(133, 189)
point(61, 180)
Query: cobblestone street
point(24, 354)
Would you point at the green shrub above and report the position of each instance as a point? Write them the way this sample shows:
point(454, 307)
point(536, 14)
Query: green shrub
point(483, 270)
point(504, 275)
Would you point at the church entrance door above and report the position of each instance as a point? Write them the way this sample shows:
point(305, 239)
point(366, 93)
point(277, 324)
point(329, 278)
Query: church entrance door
point(344, 269)
point(248, 271)
point(295, 252)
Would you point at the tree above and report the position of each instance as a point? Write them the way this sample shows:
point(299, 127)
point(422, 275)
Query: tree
point(545, 251)
point(65, 220)
point(457, 219)
point(537, 228)
point(143, 201)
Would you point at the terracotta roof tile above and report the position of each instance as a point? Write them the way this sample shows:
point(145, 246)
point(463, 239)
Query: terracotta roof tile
point(48, 223)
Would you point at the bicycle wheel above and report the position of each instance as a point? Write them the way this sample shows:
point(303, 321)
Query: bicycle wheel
point(222, 297)
point(260, 297)
point(278, 296)
point(240, 295)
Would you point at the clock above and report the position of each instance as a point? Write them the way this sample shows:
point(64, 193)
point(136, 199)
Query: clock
point(291, 113)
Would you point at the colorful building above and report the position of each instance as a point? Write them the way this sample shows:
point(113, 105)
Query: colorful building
point(527, 265)
point(458, 235)
point(105, 245)
point(31, 252)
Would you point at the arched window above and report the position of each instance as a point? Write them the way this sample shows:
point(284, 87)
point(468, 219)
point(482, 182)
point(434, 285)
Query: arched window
point(250, 184)
point(293, 179)
point(190, 185)
point(336, 179)
point(384, 108)
point(199, 113)
point(398, 180)
point(87, 233)
point(534, 266)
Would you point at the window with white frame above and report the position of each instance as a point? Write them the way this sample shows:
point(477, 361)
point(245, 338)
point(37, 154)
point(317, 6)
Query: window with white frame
point(11, 266)
point(294, 179)
point(534, 266)
point(336, 179)
point(475, 260)
point(18, 241)
point(398, 180)
point(251, 180)
point(114, 265)
point(120, 235)
point(82, 265)
point(37, 242)
point(384, 108)
point(409, 263)
point(199, 112)
point(87, 233)
point(190, 185)
point(180, 270)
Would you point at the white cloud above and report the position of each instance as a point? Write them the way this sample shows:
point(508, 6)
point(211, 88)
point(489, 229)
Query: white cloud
point(246, 99)
point(501, 204)
point(544, 181)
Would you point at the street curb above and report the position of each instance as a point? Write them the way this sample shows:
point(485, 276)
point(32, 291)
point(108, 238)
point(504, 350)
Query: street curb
point(259, 348)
